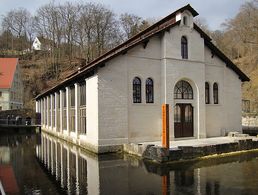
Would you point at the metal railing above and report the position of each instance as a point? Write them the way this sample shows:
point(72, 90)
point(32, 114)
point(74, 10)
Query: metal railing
point(19, 121)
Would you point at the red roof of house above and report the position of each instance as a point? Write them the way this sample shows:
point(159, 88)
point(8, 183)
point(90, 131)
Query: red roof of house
point(8, 180)
point(7, 70)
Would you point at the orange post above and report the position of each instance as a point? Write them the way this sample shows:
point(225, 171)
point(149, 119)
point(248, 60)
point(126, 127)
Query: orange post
point(165, 184)
point(165, 125)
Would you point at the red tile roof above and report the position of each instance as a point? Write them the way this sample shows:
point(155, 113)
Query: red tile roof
point(7, 70)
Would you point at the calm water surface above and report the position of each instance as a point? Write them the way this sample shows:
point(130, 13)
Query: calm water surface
point(41, 164)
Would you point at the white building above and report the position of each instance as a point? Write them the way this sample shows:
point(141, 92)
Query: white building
point(11, 87)
point(36, 45)
point(117, 98)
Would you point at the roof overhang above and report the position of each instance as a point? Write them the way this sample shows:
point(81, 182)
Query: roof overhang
point(208, 42)
point(162, 25)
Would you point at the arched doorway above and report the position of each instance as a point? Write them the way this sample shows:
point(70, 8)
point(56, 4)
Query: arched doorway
point(183, 110)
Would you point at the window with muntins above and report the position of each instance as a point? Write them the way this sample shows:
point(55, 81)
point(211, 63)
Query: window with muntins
point(207, 93)
point(82, 93)
point(72, 109)
point(137, 90)
point(58, 100)
point(82, 123)
point(64, 98)
point(72, 88)
point(183, 90)
point(215, 93)
point(184, 48)
point(149, 91)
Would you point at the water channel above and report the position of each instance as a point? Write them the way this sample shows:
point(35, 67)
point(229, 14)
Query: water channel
point(42, 164)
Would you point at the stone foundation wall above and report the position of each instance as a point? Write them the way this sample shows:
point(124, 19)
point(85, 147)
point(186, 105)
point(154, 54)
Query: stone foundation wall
point(161, 155)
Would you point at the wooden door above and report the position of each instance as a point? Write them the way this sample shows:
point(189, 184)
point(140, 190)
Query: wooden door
point(183, 120)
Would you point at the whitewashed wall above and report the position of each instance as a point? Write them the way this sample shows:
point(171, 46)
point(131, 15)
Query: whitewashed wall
point(113, 118)
point(191, 70)
point(92, 112)
point(113, 93)
point(5, 99)
point(225, 116)
point(121, 120)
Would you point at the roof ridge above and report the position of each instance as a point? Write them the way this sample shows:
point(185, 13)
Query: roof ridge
point(138, 35)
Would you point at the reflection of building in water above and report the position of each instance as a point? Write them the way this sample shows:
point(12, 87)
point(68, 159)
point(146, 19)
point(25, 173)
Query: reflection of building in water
point(116, 99)
point(70, 166)
point(80, 172)
point(4, 155)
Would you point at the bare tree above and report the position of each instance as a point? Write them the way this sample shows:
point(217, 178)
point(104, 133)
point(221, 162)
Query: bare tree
point(16, 21)
point(132, 24)
point(69, 13)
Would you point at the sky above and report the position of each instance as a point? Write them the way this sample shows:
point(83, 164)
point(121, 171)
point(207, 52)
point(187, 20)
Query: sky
point(214, 12)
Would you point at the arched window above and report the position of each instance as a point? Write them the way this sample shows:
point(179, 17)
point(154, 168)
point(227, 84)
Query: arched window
point(215, 93)
point(207, 93)
point(185, 20)
point(183, 90)
point(149, 91)
point(137, 90)
point(184, 48)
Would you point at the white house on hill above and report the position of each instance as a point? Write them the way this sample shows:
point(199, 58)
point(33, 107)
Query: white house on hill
point(36, 45)
point(117, 98)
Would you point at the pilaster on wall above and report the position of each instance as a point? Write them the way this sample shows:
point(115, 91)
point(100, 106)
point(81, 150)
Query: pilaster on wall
point(37, 106)
point(68, 92)
point(41, 111)
point(56, 110)
point(61, 110)
point(44, 111)
point(77, 96)
point(47, 99)
point(51, 112)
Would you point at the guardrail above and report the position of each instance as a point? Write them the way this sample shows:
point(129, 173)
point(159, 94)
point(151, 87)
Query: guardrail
point(20, 121)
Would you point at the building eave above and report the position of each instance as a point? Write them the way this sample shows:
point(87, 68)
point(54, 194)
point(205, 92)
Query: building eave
point(162, 25)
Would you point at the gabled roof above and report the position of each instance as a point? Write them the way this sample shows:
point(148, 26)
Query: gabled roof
point(7, 71)
point(143, 38)
point(36, 40)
